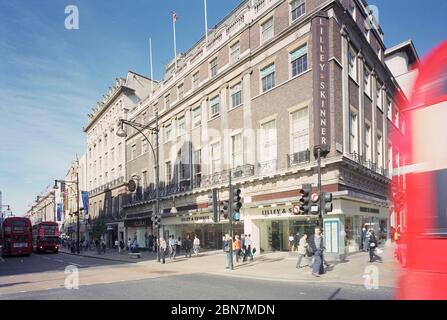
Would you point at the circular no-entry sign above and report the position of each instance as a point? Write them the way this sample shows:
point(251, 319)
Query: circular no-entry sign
point(314, 197)
point(296, 209)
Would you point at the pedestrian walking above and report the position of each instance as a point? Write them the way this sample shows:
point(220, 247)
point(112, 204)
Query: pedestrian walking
point(121, 246)
point(365, 238)
point(98, 246)
point(117, 246)
point(237, 248)
point(250, 248)
point(179, 246)
point(163, 248)
point(372, 243)
point(172, 247)
point(188, 246)
point(129, 243)
point(302, 250)
point(316, 247)
point(226, 248)
point(104, 246)
point(196, 245)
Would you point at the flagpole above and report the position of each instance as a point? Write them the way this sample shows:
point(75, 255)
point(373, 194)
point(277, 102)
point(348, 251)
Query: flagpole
point(206, 22)
point(175, 41)
point(150, 62)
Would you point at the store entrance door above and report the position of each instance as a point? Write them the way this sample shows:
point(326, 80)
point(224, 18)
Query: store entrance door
point(277, 236)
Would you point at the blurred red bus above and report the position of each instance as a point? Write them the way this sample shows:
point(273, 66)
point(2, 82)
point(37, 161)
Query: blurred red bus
point(17, 236)
point(46, 237)
point(423, 241)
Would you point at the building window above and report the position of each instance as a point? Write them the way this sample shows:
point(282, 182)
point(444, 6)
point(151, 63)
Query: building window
point(379, 151)
point(168, 133)
point(144, 146)
point(112, 174)
point(268, 77)
point(396, 119)
point(215, 157)
point(390, 160)
point(197, 165)
point(213, 68)
point(235, 51)
point(353, 129)
point(196, 117)
point(180, 92)
point(267, 30)
point(298, 60)
point(181, 126)
point(389, 109)
point(298, 9)
point(237, 155)
point(236, 95)
point(168, 172)
point(352, 60)
point(145, 179)
point(379, 95)
point(215, 106)
point(133, 151)
point(195, 80)
point(300, 130)
point(367, 142)
point(268, 141)
point(352, 9)
point(367, 81)
point(168, 102)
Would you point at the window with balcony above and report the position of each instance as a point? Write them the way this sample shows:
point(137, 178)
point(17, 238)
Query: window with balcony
point(379, 151)
point(214, 106)
point(197, 167)
point(299, 131)
point(298, 60)
point(298, 8)
point(236, 95)
point(353, 133)
point(237, 154)
point(215, 157)
point(213, 68)
point(267, 30)
point(235, 51)
point(180, 92)
point(195, 80)
point(268, 77)
point(379, 95)
point(145, 179)
point(168, 171)
point(196, 117)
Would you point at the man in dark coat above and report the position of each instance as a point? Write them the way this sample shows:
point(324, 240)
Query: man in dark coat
point(316, 247)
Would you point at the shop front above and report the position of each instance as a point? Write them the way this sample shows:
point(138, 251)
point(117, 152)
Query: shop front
point(139, 229)
point(277, 228)
point(201, 225)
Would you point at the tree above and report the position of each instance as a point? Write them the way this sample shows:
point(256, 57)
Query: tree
point(99, 227)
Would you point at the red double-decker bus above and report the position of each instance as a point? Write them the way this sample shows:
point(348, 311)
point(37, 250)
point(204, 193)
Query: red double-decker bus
point(46, 237)
point(17, 236)
point(423, 242)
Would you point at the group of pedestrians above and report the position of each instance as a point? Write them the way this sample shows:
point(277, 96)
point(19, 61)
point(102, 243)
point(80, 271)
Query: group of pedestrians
point(242, 246)
point(370, 244)
point(174, 246)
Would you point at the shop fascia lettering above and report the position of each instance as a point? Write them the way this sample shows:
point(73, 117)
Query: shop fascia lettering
point(276, 211)
point(196, 218)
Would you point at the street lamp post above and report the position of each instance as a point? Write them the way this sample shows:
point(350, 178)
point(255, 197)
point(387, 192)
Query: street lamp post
point(140, 127)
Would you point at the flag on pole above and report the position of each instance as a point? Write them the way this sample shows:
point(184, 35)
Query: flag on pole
point(174, 20)
point(174, 16)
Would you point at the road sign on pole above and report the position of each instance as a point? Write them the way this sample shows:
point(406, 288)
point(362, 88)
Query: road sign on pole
point(296, 209)
point(314, 197)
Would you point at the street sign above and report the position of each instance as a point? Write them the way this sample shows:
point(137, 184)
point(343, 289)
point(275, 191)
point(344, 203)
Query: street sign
point(296, 209)
point(314, 197)
point(131, 186)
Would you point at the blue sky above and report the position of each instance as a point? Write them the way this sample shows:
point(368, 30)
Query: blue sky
point(50, 77)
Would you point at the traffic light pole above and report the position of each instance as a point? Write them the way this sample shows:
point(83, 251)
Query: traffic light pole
point(320, 201)
point(230, 217)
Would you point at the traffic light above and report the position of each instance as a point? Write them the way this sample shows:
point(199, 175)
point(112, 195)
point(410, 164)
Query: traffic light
point(237, 204)
point(327, 202)
point(305, 198)
point(212, 205)
point(224, 209)
point(156, 221)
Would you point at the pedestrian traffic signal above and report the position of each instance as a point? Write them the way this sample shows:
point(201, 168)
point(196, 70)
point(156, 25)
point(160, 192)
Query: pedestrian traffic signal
point(212, 205)
point(327, 202)
point(305, 198)
point(237, 203)
point(224, 209)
